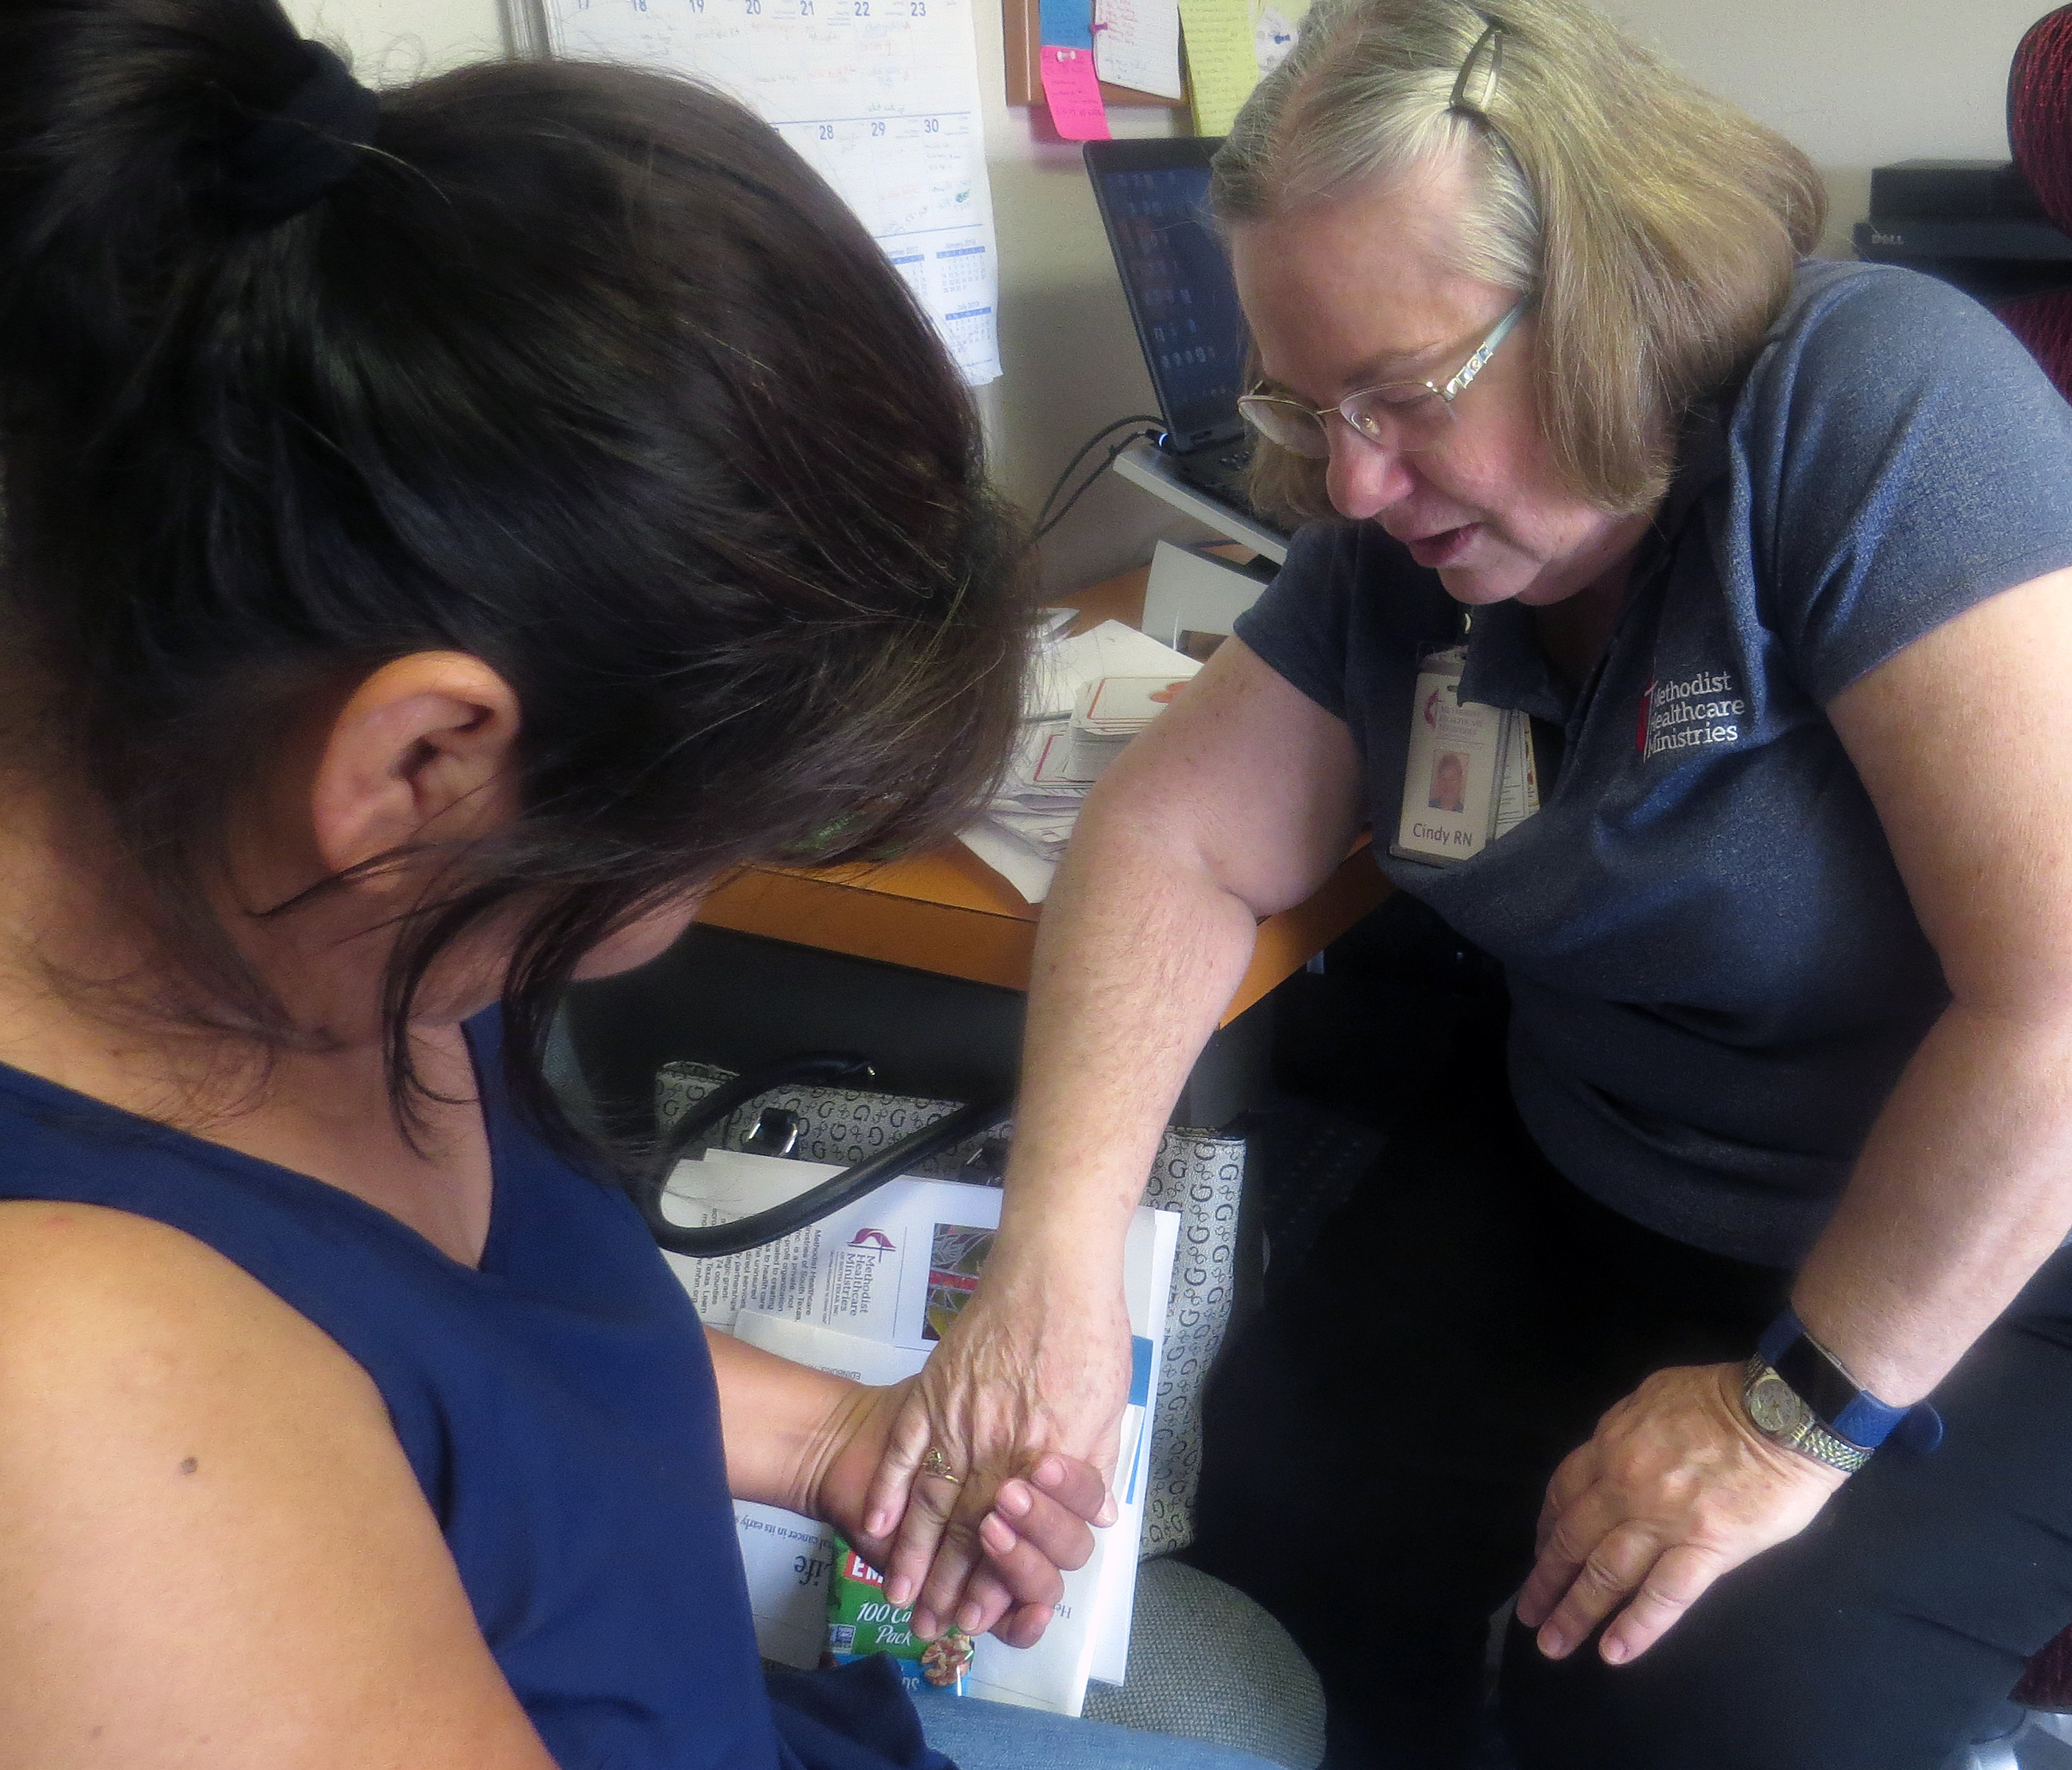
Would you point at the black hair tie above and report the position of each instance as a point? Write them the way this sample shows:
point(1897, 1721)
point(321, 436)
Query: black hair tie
point(282, 163)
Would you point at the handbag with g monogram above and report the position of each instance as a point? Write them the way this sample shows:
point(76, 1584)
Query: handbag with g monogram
point(1199, 1175)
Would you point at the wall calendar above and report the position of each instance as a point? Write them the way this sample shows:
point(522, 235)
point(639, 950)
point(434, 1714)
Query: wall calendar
point(881, 99)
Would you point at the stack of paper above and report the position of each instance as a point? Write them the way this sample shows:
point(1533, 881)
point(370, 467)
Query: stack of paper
point(867, 1293)
point(1023, 833)
point(1110, 712)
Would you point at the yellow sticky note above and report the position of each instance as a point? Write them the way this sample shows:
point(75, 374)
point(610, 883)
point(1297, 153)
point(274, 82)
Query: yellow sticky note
point(1221, 66)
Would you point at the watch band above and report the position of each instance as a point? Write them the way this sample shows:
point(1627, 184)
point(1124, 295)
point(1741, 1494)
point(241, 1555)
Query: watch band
point(1837, 1401)
point(1782, 1415)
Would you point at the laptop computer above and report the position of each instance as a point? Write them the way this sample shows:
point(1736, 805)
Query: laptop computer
point(1153, 196)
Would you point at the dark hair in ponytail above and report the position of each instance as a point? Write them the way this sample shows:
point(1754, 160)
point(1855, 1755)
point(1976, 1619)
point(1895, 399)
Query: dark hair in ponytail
point(581, 372)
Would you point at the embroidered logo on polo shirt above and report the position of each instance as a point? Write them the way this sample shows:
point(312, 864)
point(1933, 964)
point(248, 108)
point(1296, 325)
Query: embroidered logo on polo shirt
point(1700, 709)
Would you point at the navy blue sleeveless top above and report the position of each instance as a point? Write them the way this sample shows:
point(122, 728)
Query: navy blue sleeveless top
point(558, 1405)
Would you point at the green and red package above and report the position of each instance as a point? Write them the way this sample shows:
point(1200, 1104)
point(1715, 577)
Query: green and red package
point(861, 1621)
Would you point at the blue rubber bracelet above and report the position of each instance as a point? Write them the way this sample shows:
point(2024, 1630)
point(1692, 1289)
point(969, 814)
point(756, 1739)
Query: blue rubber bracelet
point(1866, 1421)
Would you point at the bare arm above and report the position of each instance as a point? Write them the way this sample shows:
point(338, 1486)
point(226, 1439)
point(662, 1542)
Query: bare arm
point(1964, 1186)
point(1238, 803)
point(213, 1552)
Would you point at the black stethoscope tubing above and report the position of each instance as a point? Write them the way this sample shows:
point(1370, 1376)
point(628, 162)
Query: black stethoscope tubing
point(823, 1200)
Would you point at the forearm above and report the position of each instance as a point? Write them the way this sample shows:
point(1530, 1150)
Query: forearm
point(782, 1423)
point(1139, 952)
point(1963, 1189)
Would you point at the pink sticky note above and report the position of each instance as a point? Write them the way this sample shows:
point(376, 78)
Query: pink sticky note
point(1074, 91)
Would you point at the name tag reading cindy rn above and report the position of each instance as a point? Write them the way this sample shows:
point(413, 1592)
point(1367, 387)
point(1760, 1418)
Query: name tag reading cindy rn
point(1469, 774)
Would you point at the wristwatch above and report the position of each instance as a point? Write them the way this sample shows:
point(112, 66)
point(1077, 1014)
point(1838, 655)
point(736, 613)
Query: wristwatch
point(1781, 1414)
point(1798, 1394)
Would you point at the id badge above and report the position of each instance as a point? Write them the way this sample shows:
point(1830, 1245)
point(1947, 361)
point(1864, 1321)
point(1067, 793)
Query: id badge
point(1469, 774)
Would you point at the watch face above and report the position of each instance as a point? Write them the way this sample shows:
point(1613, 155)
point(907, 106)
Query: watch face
point(1774, 1405)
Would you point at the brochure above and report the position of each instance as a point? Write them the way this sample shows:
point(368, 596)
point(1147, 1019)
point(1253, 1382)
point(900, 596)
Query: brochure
point(868, 1293)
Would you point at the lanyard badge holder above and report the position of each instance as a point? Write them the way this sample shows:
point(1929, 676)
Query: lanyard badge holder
point(1470, 775)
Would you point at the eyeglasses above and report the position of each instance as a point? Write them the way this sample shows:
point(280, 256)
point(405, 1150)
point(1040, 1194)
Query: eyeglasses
point(1405, 416)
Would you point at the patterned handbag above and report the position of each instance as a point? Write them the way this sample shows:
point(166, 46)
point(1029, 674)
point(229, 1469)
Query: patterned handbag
point(1197, 1174)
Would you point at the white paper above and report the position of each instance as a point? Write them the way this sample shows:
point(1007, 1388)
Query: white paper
point(1137, 44)
point(1049, 770)
point(817, 1276)
point(1273, 34)
point(1112, 649)
point(881, 98)
point(1025, 872)
point(1045, 833)
point(785, 1558)
point(1518, 774)
point(1018, 838)
point(1036, 778)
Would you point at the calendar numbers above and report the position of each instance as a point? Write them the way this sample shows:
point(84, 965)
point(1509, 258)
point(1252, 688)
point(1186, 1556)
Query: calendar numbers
point(881, 98)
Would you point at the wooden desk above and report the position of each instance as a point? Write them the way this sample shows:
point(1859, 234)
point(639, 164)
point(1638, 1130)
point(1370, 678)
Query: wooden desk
point(949, 913)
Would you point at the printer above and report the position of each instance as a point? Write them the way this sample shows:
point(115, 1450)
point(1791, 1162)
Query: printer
point(1975, 223)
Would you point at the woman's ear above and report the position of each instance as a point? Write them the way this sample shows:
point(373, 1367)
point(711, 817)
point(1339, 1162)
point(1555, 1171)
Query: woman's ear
point(421, 751)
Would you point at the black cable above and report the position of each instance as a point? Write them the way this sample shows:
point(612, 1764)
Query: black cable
point(1087, 448)
point(1086, 484)
point(1043, 524)
point(830, 1196)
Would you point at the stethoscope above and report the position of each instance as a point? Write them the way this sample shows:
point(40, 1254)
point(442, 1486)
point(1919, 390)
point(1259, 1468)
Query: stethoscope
point(810, 1206)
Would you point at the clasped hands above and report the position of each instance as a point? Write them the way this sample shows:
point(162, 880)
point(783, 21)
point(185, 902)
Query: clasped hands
point(1024, 1399)
point(1036, 1525)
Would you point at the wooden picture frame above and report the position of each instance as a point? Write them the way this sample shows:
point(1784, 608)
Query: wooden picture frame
point(1021, 21)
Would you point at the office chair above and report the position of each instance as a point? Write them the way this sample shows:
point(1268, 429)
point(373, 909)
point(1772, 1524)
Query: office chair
point(2040, 133)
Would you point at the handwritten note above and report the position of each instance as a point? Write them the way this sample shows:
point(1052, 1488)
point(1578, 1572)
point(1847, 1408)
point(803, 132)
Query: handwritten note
point(1222, 65)
point(1137, 44)
point(1069, 83)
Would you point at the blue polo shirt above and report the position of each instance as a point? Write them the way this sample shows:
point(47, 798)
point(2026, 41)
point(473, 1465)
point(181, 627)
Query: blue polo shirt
point(1715, 971)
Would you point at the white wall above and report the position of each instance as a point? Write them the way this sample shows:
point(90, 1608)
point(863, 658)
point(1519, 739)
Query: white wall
point(1069, 355)
point(1854, 82)
point(399, 39)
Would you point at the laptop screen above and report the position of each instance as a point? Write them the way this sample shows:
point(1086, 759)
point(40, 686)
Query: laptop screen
point(1181, 293)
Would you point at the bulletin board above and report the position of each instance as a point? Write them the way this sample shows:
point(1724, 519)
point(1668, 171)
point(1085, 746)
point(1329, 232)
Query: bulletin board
point(1020, 31)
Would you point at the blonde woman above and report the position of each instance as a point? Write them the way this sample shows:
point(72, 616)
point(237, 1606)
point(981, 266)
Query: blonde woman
point(1774, 553)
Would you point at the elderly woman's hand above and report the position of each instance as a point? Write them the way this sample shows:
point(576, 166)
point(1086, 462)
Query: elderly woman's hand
point(1019, 1581)
point(1675, 1488)
point(1038, 1362)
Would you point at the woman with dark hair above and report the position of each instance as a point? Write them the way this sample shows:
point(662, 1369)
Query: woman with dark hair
point(444, 533)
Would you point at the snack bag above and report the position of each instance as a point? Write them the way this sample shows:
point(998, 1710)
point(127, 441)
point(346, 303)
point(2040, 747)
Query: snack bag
point(861, 1623)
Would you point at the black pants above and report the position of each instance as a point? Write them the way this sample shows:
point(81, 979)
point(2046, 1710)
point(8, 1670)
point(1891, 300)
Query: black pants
point(1379, 1439)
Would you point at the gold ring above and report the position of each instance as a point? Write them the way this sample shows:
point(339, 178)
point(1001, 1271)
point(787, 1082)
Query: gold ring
point(935, 1463)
